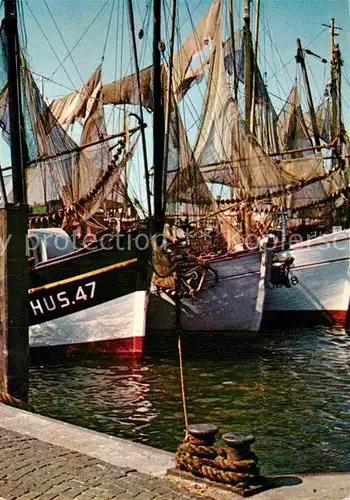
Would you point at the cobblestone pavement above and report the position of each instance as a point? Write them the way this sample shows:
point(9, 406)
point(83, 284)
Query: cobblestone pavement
point(32, 469)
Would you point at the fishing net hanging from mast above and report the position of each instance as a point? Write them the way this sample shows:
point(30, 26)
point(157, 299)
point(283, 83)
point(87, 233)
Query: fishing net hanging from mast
point(60, 174)
point(225, 149)
point(125, 90)
point(295, 133)
point(229, 154)
point(188, 195)
point(187, 191)
point(265, 116)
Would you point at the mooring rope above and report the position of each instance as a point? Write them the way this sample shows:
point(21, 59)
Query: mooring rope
point(182, 382)
point(217, 463)
point(179, 348)
point(7, 399)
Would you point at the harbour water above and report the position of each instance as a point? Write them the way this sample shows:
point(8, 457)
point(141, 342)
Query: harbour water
point(289, 387)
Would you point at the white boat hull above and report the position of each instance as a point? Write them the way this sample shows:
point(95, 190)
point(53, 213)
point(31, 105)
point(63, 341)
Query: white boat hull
point(116, 326)
point(235, 303)
point(320, 282)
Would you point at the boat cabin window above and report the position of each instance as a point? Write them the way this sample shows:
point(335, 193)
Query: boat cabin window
point(34, 250)
point(44, 246)
point(58, 246)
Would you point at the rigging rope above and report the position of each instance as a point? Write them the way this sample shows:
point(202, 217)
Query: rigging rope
point(7, 399)
point(50, 44)
point(52, 81)
point(79, 39)
point(69, 52)
point(107, 32)
point(145, 25)
point(182, 379)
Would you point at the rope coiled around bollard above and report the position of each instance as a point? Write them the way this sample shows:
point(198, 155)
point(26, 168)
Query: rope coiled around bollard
point(217, 464)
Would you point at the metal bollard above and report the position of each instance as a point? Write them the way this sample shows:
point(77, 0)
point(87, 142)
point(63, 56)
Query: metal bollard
point(239, 444)
point(202, 434)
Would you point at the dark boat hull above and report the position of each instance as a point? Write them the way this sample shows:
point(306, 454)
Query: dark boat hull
point(93, 298)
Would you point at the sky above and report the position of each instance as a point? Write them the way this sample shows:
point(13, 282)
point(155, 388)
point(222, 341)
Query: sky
point(53, 26)
point(66, 40)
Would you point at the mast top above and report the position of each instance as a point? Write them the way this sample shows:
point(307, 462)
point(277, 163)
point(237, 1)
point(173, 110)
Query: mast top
point(333, 33)
point(18, 146)
point(246, 11)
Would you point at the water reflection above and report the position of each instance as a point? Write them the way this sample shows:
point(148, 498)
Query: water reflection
point(97, 393)
point(290, 388)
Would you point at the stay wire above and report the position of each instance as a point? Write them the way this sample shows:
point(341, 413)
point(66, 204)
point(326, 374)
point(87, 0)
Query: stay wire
point(69, 52)
point(80, 38)
point(49, 43)
point(108, 30)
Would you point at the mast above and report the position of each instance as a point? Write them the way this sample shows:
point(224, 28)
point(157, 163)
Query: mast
point(255, 65)
point(16, 129)
point(339, 64)
point(235, 79)
point(43, 170)
point(300, 59)
point(158, 121)
point(333, 83)
point(233, 49)
point(143, 137)
point(335, 90)
point(124, 176)
point(248, 80)
point(168, 103)
point(248, 73)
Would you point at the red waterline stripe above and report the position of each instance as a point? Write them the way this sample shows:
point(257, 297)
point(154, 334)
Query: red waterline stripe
point(130, 347)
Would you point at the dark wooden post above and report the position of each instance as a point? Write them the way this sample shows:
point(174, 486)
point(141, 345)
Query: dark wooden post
point(158, 121)
point(14, 379)
point(13, 302)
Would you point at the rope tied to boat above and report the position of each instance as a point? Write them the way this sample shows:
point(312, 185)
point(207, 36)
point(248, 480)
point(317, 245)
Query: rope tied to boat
point(190, 270)
point(9, 400)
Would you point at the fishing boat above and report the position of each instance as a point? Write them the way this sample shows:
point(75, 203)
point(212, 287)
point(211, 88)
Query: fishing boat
point(255, 157)
point(292, 162)
point(318, 288)
point(87, 291)
point(270, 162)
point(214, 279)
point(217, 194)
point(319, 283)
point(200, 285)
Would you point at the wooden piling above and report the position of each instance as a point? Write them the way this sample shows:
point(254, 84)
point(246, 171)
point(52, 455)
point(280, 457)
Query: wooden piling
point(14, 278)
point(14, 281)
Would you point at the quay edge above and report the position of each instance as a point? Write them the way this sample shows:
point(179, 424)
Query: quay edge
point(116, 451)
point(139, 466)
